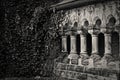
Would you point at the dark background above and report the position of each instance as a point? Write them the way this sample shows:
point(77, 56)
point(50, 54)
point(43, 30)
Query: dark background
point(29, 38)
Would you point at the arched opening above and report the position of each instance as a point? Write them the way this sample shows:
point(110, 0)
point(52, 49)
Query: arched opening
point(65, 26)
point(98, 22)
point(86, 23)
point(101, 44)
point(78, 43)
point(68, 43)
point(75, 24)
point(89, 44)
point(115, 44)
point(112, 21)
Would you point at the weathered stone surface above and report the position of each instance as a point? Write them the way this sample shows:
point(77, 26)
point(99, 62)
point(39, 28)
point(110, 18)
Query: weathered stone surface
point(93, 12)
point(114, 65)
point(70, 67)
point(66, 60)
point(79, 68)
point(79, 72)
point(74, 61)
point(92, 19)
point(83, 60)
point(80, 62)
point(91, 63)
point(73, 58)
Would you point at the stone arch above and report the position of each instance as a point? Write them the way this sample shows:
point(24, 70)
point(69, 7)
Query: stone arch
point(97, 21)
point(85, 22)
point(111, 20)
point(101, 44)
point(75, 24)
point(68, 43)
point(65, 27)
point(115, 44)
point(89, 44)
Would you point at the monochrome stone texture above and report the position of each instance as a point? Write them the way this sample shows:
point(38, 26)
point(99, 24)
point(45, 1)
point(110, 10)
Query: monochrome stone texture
point(95, 18)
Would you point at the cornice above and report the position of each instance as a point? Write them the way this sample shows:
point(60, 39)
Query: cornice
point(74, 4)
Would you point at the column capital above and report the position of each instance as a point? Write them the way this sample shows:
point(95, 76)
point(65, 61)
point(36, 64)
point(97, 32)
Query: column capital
point(73, 36)
point(82, 30)
point(107, 34)
point(117, 28)
point(73, 31)
point(83, 35)
point(94, 35)
point(94, 30)
point(64, 36)
point(107, 29)
point(65, 32)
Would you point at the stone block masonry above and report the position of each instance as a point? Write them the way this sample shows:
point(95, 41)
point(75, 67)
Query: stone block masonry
point(98, 26)
point(75, 72)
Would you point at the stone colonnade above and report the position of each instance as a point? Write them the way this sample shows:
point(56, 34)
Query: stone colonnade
point(83, 45)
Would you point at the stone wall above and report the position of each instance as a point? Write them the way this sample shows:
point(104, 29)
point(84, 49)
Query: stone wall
point(103, 11)
point(75, 72)
point(101, 18)
point(94, 19)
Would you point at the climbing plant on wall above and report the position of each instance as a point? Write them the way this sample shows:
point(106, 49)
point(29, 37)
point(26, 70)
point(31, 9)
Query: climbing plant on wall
point(30, 38)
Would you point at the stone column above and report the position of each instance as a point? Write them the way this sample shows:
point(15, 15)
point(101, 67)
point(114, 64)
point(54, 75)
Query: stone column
point(94, 58)
point(83, 60)
point(73, 44)
point(83, 40)
point(73, 56)
point(64, 43)
point(107, 44)
point(107, 58)
point(83, 44)
point(94, 44)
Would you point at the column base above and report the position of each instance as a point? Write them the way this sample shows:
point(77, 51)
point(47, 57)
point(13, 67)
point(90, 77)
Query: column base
point(94, 59)
point(73, 58)
point(64, 55)
point(107, 58)
point(83, 60)
point(84, 56)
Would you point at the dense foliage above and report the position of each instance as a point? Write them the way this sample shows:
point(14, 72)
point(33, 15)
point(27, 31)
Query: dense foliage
point(29, 38)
